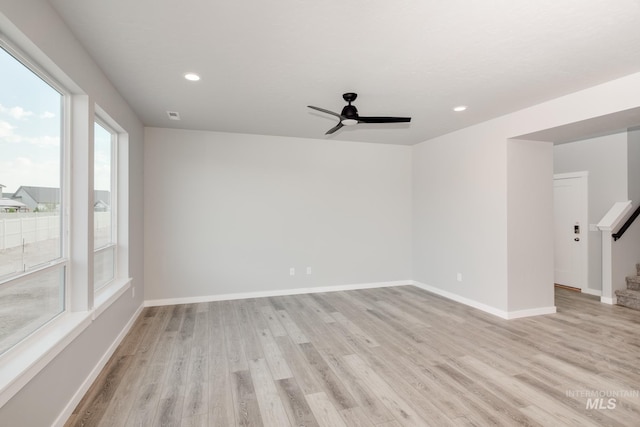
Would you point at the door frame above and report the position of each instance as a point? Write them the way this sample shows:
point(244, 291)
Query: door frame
point(583, 273)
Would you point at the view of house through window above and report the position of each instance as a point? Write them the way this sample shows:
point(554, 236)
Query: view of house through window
point(32, 263)
point(103, 212)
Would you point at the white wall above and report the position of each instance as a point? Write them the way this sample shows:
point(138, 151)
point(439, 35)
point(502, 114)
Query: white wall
point(530, 262)
point(38, 30)
point(605, 158)
point(231, 213)
point(459, 212)
point(460, 200)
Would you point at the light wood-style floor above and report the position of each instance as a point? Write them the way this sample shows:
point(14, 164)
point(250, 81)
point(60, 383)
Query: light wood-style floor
point(380, 357)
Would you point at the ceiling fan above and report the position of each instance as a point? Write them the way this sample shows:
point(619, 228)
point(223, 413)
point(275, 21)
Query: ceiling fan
point(349, 115)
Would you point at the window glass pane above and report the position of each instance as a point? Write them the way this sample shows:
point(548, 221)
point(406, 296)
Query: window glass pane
point(103, 266)
point(30, 168)
point(28, 303)
point(102, 172)
point(103, 207)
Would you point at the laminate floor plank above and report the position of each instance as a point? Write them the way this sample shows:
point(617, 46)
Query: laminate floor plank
point(355, 329)
point(416, 385)
point(271, 317)
point(169, 411)
point(323, 303)
point(356, 417)
point(269, 402)
point(390, 398)
point(254, 308)
point(295, 404)
point(376, 322)
point(200, 420)
point(277, 363)
point(324, 411)
point(403, 340)
point(196, 396)
point(321, 333)
point(375, 316)
point(234, 339)
point(369, 405)
point(332, 385)
point(316, 308)
point(148, 398)
point(356, 299)
point(433, 305)
point(250, 341)
point(502, 411)
point(293, 330)
point(387, 357)
point(403, 313)
point(298, 365)
point(220, 406)
point(424, 379)
point(245, 401)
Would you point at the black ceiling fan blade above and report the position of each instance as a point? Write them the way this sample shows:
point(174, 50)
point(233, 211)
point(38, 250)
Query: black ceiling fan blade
point(383, 119)
point(335, 128)
point(324, 111)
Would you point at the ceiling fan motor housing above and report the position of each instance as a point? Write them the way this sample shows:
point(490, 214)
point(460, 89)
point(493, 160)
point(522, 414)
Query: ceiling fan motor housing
point(350, 112)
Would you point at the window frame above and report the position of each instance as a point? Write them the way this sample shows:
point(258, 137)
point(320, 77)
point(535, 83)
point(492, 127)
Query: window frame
point(63, 262)
point(26, 359)
point(113, 244)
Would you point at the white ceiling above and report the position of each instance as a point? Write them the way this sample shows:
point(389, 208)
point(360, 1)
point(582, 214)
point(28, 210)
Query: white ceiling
point(263, 61)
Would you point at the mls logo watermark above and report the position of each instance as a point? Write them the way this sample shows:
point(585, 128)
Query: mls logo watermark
point(601, 403)
point(602, 399)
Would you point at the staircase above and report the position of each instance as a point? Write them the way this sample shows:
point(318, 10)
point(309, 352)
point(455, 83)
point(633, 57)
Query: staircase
point(630, 297)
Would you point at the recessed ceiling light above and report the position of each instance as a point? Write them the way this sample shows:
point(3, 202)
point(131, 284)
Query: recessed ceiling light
point(192, 77)
point(460, 108)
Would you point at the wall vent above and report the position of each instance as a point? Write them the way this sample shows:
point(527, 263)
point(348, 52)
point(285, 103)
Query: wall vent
point(173, 115)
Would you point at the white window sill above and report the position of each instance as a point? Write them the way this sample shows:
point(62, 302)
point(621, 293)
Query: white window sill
point(22, 363)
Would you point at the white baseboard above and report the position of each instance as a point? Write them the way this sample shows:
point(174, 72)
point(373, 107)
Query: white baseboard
point(275, 293)
point(484, 307)
point(606, 300)
point(77, 397)
point(517, 314)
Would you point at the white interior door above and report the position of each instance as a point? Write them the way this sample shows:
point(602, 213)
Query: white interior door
point(571, 228)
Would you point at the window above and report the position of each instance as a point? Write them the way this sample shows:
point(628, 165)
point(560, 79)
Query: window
point(32, 248)
point(104, 208)
point(47, 294)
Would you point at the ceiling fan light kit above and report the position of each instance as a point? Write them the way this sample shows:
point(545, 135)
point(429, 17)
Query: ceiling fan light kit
point(349, 115)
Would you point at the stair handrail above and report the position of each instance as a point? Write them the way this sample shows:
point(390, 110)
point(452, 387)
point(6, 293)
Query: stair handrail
point(626, 225)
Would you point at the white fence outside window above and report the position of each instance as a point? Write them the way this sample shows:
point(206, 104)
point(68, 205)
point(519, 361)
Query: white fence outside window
point(21, 228)
point(17, 229)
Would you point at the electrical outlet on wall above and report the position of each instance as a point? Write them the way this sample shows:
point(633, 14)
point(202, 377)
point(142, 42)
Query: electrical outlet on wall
point(459, 277)
point(292, 271)
point(308, 270)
